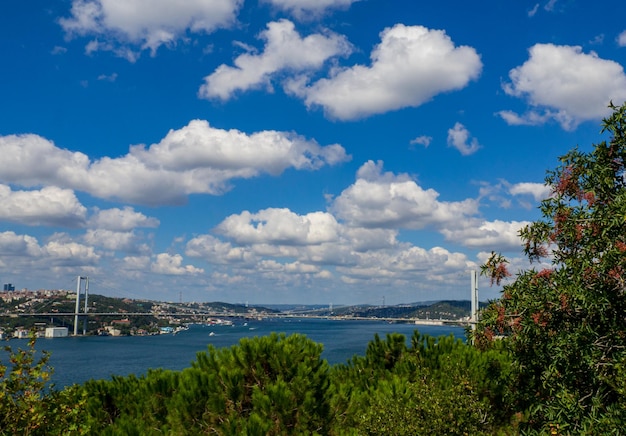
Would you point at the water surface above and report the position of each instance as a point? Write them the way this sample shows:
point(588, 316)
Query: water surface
point(78, 359)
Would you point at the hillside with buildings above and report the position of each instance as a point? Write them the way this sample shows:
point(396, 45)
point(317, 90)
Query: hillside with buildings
point(21, 311)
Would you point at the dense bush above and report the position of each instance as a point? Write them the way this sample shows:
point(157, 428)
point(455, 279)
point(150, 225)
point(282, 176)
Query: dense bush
point(438, 386)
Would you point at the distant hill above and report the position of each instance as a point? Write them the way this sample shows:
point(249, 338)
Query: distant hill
point(446, 310)
point(63, 302)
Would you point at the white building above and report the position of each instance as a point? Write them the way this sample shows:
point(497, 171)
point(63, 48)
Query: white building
point(20, 334)
point(56, 332)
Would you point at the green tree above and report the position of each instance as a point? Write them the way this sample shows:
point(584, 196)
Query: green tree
point(27, 405)
point(435, 386)
point(271, 385)
point(566, 324)
point(22, 390)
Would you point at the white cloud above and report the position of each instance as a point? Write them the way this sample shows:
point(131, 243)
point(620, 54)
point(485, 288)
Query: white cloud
point(173, 265)
point(114, 241)
point(215, 251)
point(195, 159)
point(357, 245)
point(108, 78)
point(305, 8)
point(531, 118)
point(69, 253)
point(379, 199)
point(621, 39)
point(289, 268)
point(121, 219)
point(539, 191)
point(58, 50)
point(565, 84)
point(362, 239)
point(136, 263)
point(493, 235)
point(597, 40)
point(459, 138)
point(408, 267)
point(422, 140)
point(147, 24)
point(50, 206)
point(410, 66)
point(13, 245)
point(284, 50)
point(550, 5)
point(280, 226)
point(356, 255)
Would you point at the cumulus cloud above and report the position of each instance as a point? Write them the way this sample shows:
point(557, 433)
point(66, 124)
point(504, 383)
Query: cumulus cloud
point(356, 240)
point(146, 24)
point(621, 39)
point(400, 267)
point(196, 159)
point(494, 235)
point(539, 191)
point(49, 206)
point(280, 226)
point(69, 253)
point(136, 263)
point(564, 84)
point(282, 250)
point(284, 49)
point(114, 240)
point(27, 254)
point(121, 219)
point(216, 251)
point(289, 268)
point(305, 8)
point(169, 264)
point(410, 66)
point(459, 137)
point(386, 200)
point(12, 244)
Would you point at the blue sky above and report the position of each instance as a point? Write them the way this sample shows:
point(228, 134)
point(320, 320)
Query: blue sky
point(288, 151)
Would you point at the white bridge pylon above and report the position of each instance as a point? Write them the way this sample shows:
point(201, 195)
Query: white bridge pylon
point(474, 298)
point(79, 281)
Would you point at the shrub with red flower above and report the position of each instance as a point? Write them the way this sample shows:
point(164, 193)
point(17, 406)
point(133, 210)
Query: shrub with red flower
point(567, 323)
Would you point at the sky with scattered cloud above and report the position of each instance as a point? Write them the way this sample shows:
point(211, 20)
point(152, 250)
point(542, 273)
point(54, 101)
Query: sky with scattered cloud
point(289, 151)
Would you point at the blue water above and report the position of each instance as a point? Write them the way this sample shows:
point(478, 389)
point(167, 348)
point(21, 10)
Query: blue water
point(78, 359)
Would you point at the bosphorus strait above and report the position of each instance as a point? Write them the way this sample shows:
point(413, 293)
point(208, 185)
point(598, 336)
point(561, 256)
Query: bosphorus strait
point(78, 359)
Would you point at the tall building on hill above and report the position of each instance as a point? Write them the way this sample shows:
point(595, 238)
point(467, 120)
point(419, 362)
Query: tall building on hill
point(9, 287)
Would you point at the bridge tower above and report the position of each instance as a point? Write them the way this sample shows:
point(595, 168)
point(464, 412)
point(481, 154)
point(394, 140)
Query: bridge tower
point(79, 281)
point(474, 298)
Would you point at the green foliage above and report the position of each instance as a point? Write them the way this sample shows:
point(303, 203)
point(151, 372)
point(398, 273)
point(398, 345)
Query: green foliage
point(26, 407)
point(268, 385)
point(276, 385)
point(565, 325)
point(272, 385)
point(440, 386)
point(125, 403)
